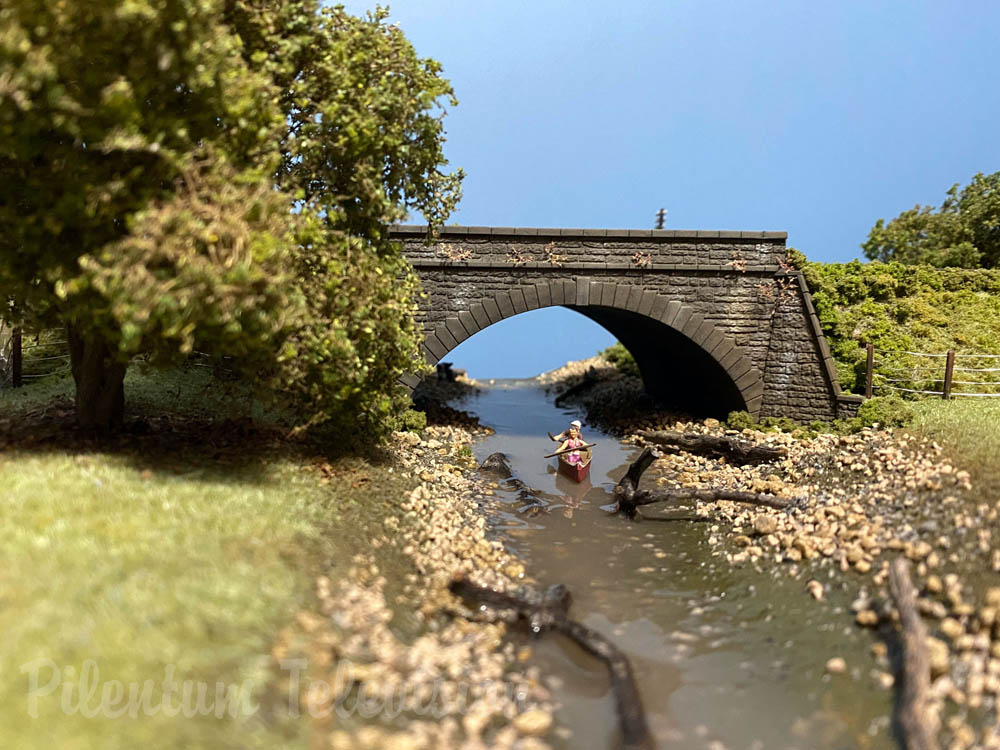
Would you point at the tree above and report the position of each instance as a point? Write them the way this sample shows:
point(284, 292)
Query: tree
point(364, 145)
point(136, 192)
point(965, 232)
point(219, 175)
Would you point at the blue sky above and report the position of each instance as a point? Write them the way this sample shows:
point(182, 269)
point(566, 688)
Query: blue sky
point(812, 118)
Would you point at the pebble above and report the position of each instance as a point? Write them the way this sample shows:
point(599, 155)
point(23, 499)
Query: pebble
point(836, 665)
point(533, 723)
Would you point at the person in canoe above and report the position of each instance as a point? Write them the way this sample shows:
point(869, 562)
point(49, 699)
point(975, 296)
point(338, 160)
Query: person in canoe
point(572, 438)
point(575, 424)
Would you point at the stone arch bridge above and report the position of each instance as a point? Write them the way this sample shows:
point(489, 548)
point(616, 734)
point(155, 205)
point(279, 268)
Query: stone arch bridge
point(716, 321)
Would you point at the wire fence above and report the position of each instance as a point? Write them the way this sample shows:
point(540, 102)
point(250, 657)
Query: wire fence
point(947, 375)
point(27, 356)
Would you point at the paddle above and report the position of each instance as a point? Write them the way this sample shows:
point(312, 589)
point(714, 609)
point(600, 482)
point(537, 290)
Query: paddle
point(570, 450)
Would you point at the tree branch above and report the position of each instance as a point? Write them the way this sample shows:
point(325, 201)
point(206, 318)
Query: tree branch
point(630, 497)
point(917, 723)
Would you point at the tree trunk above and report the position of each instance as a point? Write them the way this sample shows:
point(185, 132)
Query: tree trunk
point(100, 383)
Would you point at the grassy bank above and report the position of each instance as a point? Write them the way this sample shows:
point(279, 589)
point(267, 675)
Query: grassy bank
point(969, 430)
point(178, 552)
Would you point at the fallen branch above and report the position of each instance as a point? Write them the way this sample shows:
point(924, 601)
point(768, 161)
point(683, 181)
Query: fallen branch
point(629, 496)
point(551, 612)
point(916, 721)
point(737, 451)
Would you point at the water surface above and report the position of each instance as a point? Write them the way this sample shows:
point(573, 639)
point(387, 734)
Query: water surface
point(724, 657)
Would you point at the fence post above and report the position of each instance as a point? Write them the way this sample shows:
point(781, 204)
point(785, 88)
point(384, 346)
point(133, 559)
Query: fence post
point(949, 371)
point(15, 358)
point(869, 368)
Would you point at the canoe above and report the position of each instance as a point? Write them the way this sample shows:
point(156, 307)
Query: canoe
point(577, 472)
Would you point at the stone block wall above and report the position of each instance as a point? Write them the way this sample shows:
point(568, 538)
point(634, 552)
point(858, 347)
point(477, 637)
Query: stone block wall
point(735, 285)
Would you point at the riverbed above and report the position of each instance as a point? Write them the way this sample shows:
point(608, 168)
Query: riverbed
point(725, 656)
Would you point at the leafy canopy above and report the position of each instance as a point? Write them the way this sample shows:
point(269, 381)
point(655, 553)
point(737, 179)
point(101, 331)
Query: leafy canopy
point(221, 175)
point(363, 146)
point(965, 232)
point(136, 196)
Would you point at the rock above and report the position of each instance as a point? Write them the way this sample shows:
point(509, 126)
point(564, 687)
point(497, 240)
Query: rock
point(765, 524)
point(937, 654)
point(496, 464)
point(993, 596)
point(836, 665)
point(533, 723)
point(952, 628)
point(742, 540)
point(867, 618)
point(815, 589)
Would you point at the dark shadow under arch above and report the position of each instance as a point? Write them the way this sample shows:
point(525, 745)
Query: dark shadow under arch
point(685, 361)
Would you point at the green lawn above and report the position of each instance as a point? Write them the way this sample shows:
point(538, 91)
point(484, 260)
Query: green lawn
point(185, 549)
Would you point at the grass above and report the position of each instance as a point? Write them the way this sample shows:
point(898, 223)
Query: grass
point(186, 547)
point(969, 430)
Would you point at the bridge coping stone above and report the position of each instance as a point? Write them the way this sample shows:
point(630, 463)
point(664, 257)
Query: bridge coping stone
point(411, 230)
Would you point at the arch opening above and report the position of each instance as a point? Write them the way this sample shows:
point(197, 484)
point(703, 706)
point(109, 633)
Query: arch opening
point(686, 363)
point(678, 373)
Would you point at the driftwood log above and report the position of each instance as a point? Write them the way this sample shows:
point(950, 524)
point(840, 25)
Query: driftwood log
point(916, 722)
point(732, 449)
point(629, 497)
point(551, 612)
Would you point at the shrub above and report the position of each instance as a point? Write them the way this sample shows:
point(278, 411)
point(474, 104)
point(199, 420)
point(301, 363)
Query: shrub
point(886, 411)
point(621, 358)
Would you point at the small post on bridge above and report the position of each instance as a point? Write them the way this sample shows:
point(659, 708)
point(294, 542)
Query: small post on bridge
point(661, 218)
point(16, 364)
point(869, 370)
point(949, 372)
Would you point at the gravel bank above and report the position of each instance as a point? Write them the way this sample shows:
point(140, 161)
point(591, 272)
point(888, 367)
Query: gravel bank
point(392, 660)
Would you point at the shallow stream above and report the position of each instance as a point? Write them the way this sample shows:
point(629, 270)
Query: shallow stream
point(725, 657)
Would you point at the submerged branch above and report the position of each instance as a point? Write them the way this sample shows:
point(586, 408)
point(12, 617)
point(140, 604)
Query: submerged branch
point(551, 612)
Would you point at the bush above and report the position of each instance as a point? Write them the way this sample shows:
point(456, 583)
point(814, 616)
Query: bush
point(886, 411)
point(900, 308)
point(621, 358)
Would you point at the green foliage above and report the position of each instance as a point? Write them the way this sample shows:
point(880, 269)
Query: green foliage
point(105, 108)
point(221, 176)
point(411, 420)
point(965, 231)
point(886, 411)
point(621, 358)
point(741, 420)
point(363, 146)
point(901, 308)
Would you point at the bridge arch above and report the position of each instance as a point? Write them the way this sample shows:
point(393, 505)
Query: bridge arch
point(684, 359)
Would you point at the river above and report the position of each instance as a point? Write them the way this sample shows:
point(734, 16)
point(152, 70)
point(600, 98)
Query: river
point(725, 657)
